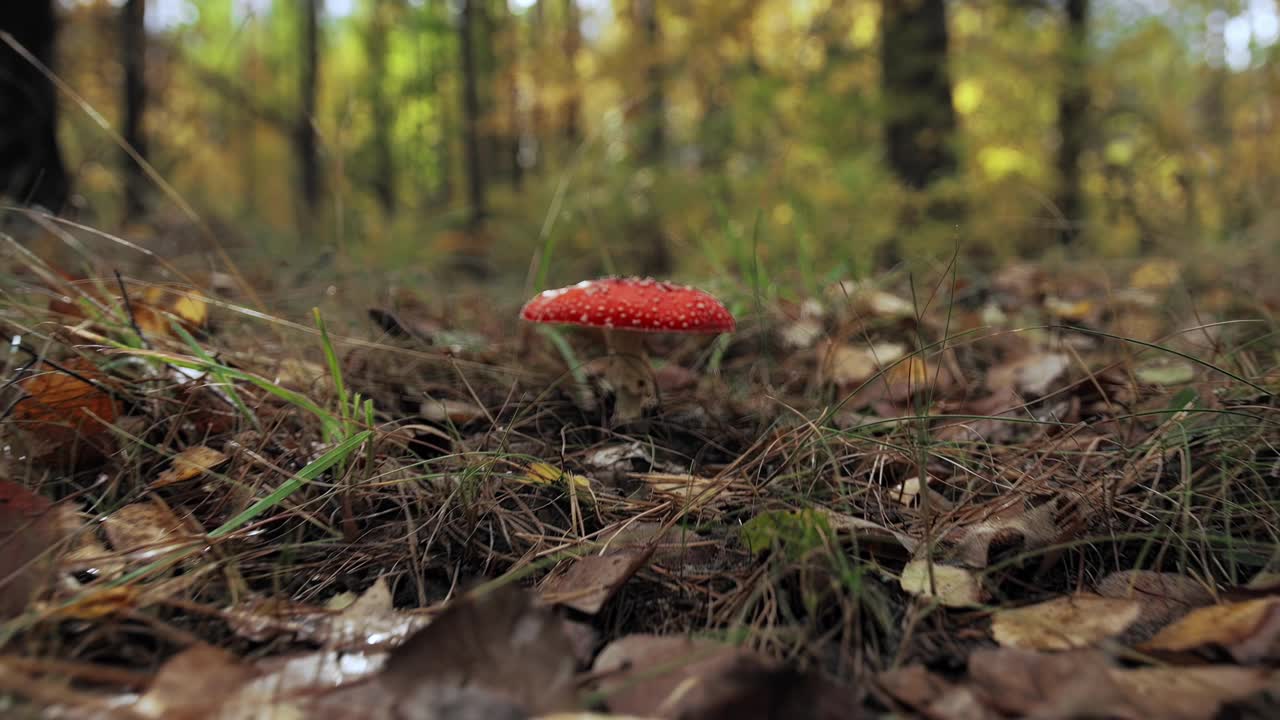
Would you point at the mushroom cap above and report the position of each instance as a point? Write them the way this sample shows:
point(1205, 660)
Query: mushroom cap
point(633, 305)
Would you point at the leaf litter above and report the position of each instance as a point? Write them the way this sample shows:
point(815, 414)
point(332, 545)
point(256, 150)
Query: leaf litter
point(761, 547)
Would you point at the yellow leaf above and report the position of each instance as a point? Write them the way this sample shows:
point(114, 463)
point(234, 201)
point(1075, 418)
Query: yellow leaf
point(190, 463)
point(540, 473)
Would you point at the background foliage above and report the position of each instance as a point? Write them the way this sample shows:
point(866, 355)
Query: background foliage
point(769, 143)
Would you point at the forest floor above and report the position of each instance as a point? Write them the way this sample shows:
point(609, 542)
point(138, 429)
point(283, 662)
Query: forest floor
point(1042, 492)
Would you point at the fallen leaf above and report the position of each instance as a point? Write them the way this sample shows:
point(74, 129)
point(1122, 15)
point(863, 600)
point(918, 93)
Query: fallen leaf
point(189, 464)
point(1249, 631)
point(540, 473)
point(907, 493)
point(1032, 375)
point(1065, 623)
point(1012, 529)
point(347, 623)
point(848, 366)
point(949, 585)
point(867, 530)
point(193, 684)
point(1079, 311)
point(586, 583)
point(1085, 683)
point(1156, 274)
point(1164, 597)
point(28, 534)
point(1189, 693)
point(670, 676)
point(1165, 372)
point(61, 407)
point(450, 412)
point(145, 530)
point(499, 642)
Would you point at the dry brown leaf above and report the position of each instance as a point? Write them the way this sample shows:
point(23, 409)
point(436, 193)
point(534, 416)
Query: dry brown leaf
point(1011, 529)
point(668, 676)
point(28, 533)
point(1249, 631)
point(60, 408)
point(347, 623)
point(450, 412)
point(1065, 623)
point(1189, 693)
point(195, 683)
point(1073, 684)
point(500, 643)
point(1164, 597)
point(145, 530)
point(949, 585)
point(586, 583)
point(907, 493)
point(189, 464)
point(867, 530)
point(1084, 683)
point(848, 366)
point(1031, 375)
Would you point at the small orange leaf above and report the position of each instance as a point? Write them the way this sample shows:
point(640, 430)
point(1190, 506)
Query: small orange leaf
point(189, 464)
point(64, 404)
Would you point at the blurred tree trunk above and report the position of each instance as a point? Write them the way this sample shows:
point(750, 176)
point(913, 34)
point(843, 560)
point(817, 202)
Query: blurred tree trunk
point(133, 48)
point(1073, 118)
point(477, 206)
point(304, 132)
point(573, 99)
point(384, 171)
point(31, 167)
point(644, 17)
point(921, 122)
point(506, 43)
point(647, 230)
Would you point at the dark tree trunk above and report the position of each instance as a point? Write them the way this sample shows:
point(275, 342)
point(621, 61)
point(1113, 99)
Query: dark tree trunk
point(31, 168)
point(647, 230)
point(384, 171)
point(1073, 118)
point(507, 65)
point(305, 141)
point(478, 209)
point(920, 122)
point(134, 50)
point(645, 19)
point(572, 44)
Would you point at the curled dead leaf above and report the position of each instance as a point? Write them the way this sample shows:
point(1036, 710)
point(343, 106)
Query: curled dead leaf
point(950, 585)
point(1249, 631)
point(1065, 623)
point(189, 464)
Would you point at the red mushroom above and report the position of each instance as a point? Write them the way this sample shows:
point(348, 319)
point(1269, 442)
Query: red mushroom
point(626, 309)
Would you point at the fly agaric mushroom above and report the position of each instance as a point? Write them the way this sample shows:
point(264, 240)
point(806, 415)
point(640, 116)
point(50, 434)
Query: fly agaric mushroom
point(627, 309)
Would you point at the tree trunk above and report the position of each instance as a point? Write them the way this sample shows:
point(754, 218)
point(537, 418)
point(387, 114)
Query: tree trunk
point(478, 209)
point(384, 172)
point(1073, 122)
point(31, 167)
point(645, 23)
point(920, 122)
point(134, 56)
point(647, 231)
point(305, 141)
point(572, 44)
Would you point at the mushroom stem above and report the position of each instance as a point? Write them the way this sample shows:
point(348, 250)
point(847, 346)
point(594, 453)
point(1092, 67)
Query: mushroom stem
point(625, 342)
point(629, 376)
